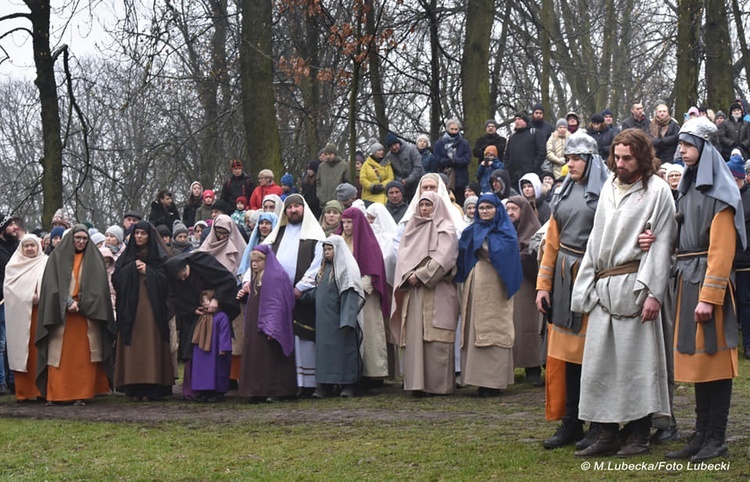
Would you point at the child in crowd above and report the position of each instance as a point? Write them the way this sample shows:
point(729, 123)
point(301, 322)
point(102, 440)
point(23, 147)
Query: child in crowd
point(212, 350)
point(238, 216)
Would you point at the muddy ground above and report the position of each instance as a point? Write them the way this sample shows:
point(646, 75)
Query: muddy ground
point(388, 404)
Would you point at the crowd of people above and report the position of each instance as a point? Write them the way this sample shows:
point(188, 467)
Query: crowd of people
point(557, 257)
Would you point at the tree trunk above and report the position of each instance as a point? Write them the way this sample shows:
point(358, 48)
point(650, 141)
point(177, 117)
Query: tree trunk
point(548, 18)
point(373, 59)
point(602, 96)
point(435, 112)
point(52, 168)
point(688, 54)
point(744, 50)
point(474, 67)
point(718, 54)
point(258, 99)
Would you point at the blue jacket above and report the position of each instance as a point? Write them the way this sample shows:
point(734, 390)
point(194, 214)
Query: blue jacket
point(483, 174)
point(459, 163)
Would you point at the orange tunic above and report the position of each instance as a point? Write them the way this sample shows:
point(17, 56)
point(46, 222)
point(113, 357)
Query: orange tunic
point(26, 388)
point(563, 345)
point(700, 366)
point(77, 377)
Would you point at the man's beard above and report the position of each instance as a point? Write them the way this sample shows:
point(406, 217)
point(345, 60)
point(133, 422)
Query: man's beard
point(8, 236)
point(296, 220)
point(628, 177)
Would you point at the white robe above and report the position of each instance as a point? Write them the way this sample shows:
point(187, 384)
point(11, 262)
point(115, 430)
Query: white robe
point(624, 373)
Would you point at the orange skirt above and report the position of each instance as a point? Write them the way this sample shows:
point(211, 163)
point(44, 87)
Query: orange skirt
point(26, 388)
point(77, 377)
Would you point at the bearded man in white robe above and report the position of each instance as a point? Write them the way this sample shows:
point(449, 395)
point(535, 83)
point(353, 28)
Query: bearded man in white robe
point(624, 375)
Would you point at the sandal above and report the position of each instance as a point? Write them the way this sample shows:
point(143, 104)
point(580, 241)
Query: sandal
point(79, 403)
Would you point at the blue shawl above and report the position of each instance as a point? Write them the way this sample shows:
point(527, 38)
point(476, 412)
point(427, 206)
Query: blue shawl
point(501, 241)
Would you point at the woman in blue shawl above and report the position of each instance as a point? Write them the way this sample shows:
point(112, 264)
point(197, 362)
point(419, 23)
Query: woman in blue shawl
point(489, 264)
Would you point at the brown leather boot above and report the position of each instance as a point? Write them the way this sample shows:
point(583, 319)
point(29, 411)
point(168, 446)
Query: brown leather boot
point(637, 441)
point(607, 443)
point(637, 444)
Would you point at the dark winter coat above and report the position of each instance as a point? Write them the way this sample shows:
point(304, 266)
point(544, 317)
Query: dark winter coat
point(459, 163)
point(237, 186)
point(666, 145)
point(633, 123)
point(734, 134)
point(603, 138)
point(489, 140)
point(161, 215)
point(525, 153)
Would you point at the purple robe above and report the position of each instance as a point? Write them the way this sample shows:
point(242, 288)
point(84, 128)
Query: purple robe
point(210, 370)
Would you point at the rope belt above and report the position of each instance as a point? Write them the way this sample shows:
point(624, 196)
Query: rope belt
point(690, 254)
point(631, 267)
point(577, 251)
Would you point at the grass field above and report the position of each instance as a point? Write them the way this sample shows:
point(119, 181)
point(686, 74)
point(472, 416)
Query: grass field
point(387, 435)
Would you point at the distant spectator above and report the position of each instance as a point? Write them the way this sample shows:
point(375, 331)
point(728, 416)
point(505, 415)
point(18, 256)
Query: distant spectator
point(543, 128)
point(163, 211)
point(287, 185)
point(331, 172)
point(266, 185)
point(453, 155)
point(490, 137)
point(405, 161)
point(238, 184)
point(192, 204)
point(637, 119)
point(555, 148)
point(428, 158)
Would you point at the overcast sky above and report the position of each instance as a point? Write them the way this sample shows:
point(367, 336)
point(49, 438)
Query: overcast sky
point(78, 23)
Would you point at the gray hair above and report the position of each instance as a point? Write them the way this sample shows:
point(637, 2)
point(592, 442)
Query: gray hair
point(453, 121)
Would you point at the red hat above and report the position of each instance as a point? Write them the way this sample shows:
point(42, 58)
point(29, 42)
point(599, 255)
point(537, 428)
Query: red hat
point(241, 199)
point(209, 193)
point(236, 164)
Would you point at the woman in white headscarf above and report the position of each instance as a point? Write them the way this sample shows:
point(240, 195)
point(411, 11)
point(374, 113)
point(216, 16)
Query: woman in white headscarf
point(278, 204)
point(23, 277)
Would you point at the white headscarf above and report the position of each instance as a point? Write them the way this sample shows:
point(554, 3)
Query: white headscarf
point(345, 267)
point(278, 207)
point(310, 227)
point(385, 229)
point(23, 278)
point(456, 216)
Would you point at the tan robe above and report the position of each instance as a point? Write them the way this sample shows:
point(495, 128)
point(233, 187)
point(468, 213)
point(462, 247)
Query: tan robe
point(488, 333)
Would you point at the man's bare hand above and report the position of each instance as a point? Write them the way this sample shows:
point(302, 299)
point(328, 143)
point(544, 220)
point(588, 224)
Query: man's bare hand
point(542, 295)
point(703, 312)
point(646, 239)
point(650, 309)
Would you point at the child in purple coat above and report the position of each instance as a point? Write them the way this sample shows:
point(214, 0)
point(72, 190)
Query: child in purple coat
point(212, 352)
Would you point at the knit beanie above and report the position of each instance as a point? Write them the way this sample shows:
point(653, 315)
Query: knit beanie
point(116, 231)
point(391, 139)
point(287, 180)
point(490, 150)
point(737, 166)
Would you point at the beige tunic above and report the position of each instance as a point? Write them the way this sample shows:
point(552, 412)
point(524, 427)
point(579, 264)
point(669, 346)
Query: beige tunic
point(488, 333)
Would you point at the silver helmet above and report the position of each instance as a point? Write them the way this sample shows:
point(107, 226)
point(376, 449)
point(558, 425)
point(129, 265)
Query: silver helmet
point(580, 143)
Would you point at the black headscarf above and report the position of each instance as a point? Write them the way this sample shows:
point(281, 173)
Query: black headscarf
point(126, 281)
point(205, 273)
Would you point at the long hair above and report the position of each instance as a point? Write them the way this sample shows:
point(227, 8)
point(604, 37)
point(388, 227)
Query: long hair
point(642, 150)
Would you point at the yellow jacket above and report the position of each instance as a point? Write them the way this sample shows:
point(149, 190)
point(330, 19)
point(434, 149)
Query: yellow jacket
point(374, 173)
